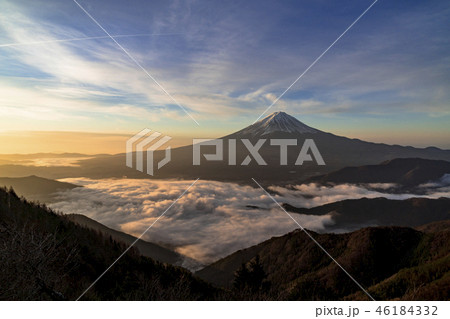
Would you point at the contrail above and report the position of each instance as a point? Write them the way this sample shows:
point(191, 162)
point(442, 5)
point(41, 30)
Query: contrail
point(85, 38)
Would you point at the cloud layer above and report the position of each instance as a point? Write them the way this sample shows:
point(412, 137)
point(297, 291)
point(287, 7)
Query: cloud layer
point(212, 220)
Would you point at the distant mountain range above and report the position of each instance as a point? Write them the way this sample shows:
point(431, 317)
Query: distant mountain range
point(337, 152)
point(406, 172)
point(352, 214)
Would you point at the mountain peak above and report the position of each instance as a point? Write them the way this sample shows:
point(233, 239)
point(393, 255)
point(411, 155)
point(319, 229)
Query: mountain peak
point(277, 122)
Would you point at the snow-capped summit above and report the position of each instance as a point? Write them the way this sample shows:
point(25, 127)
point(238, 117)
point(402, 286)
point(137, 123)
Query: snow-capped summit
point(277, 122)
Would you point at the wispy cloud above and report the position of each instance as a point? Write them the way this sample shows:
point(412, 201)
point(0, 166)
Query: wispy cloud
point(228, 59)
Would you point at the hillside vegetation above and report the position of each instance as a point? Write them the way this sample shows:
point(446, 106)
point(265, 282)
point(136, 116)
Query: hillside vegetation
point(390, 262)
point(45, 256)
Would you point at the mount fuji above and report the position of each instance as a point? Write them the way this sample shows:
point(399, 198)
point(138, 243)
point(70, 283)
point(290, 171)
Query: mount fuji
point(276, 122)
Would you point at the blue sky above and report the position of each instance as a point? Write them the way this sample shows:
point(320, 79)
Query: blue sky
point(387, 79)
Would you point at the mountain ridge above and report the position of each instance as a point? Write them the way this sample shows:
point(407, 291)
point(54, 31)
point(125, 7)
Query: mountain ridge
point(353, 214)
point(145, 248)
point(36, 188)
point(407, 172)
point(396, 258)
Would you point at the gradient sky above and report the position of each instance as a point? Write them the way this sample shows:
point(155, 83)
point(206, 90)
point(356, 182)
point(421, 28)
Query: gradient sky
point(386, 80)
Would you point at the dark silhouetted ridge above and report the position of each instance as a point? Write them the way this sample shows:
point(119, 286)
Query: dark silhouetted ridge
point(390, 262)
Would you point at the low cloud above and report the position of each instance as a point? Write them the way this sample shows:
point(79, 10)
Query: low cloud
point(438, 188)
point(212, 220)
point(311, 195)
point(444, 181)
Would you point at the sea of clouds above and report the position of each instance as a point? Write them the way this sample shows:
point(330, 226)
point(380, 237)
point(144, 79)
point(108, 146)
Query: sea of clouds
point(213, 219)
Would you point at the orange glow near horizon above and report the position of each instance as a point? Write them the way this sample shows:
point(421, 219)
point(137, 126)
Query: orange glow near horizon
point(69, 142)
point(14, 142)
